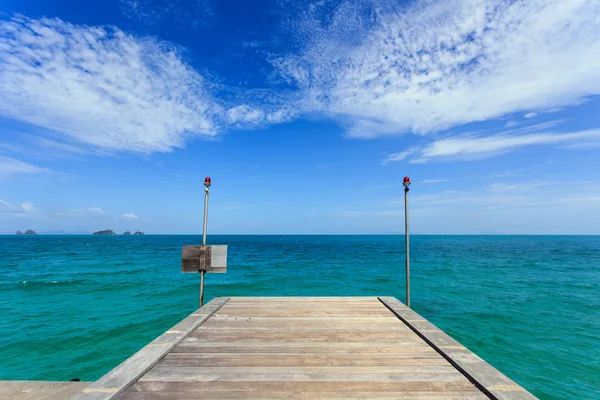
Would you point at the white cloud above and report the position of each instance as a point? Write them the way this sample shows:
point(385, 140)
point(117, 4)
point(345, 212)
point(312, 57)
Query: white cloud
point(398, 156)
point(129, 216)
point(434, 180)
point(530, 115)
point(107, 88)
point(28, 207)
point(473, 146)
point(82, 212)
point(198, 13)
point(10, 166)
point(384, 69)
point(40, 147)
point(24, 210)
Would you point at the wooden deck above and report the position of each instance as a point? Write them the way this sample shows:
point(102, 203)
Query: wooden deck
point(304, 348)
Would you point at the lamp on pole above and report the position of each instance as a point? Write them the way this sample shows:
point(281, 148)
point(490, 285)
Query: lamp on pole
point(406, 184)
point(207, 183)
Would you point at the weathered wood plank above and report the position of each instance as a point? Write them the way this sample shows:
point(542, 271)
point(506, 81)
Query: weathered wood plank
point(319, 357)
point(300, 377)
point(347, 395)
point(289, 386)
point(311, 320)
point(306, 350)
point(305, 337)
point(295, 361)
point(302, 299)
point(40, 390)
point(190, 342)
point(297, 369)
point(216, 328)
point(310, 314)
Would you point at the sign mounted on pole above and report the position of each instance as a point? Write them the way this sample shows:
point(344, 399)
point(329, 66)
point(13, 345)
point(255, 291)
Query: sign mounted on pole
point(211, 259)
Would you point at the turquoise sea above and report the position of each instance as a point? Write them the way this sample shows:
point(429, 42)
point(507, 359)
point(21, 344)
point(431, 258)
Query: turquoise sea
point(76, 306)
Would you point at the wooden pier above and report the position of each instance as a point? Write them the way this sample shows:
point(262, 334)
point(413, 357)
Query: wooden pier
point(304, 348)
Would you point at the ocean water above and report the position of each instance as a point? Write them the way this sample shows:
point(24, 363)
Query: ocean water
point(76, 306)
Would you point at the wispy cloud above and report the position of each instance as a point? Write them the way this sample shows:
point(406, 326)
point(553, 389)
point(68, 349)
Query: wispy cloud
point(530, 115)
point(474, 147)
point(434, 180)
point(383, 69)
point(82, 212)
point(39, 147)
point(129, 217)
point(187, 13)
point(101, 86)
point(112, 90)
point(403, 155)
point(26, 209)
point(520, 171)
point(10, 166)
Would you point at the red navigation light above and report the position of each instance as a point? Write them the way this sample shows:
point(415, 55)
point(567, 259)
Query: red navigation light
point(406, 181)
point(207, 181)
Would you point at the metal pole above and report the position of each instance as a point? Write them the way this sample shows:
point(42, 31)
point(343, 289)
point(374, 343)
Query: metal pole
point(206, 192)
point(406, 241)
point(205, 216)
point(202, 288)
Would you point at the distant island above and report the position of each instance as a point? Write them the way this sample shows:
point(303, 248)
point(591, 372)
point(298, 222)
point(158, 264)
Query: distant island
point(30, 232)
point(106, 232)
point(111, 232)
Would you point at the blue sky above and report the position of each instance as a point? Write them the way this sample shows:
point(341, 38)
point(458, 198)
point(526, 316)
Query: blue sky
point(306, 114)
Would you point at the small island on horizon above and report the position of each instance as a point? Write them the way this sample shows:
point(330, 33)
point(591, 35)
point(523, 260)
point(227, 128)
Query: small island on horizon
point(27, 232)
point(105, 232)
point(111, 232)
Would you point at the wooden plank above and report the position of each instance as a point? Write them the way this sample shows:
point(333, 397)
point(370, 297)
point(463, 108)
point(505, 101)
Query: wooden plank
point(40, 390)
point(310, 314)
point(307, 337)
point(219, 326)
point(300, 377)
point(254, 344)
point(119, 379)
point(311, 320)
point(346, 395)
point(161, 368)
point(295, 361)
point(308, 387)
point(291, 307)
point(316, 301)
point(306, 350)
point(431, 355)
